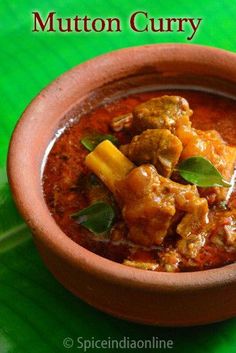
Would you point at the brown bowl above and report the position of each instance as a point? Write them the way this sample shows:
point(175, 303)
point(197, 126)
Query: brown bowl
point(173, 299)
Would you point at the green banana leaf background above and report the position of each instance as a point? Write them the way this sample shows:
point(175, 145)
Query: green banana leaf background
point(36, 313)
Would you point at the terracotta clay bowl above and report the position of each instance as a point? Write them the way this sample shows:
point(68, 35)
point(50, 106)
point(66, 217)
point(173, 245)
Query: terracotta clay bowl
point(170, 299)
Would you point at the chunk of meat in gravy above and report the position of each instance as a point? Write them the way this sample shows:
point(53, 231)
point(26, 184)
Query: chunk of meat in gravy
point(172, 113)
point(166, 112)
point(192, 239)
point(150, 203)
point(210, 145)
point(158, 147)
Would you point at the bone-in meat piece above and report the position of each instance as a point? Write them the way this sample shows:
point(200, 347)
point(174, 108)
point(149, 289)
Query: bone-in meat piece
point(150, 202)
point(158, 147)
point(166, 112)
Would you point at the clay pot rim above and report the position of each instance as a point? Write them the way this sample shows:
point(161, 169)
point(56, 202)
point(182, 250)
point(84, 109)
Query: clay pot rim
point(49, 233)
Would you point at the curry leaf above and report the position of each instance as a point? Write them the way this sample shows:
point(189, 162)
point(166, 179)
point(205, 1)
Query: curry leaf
point(201, 172)
point(98, 218)
point(91, 141)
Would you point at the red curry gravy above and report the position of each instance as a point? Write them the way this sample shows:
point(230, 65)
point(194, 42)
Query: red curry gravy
point(69, 186)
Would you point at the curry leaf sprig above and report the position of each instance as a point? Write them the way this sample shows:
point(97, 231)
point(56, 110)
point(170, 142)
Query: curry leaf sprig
point(98, 218)
point(201, 172)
